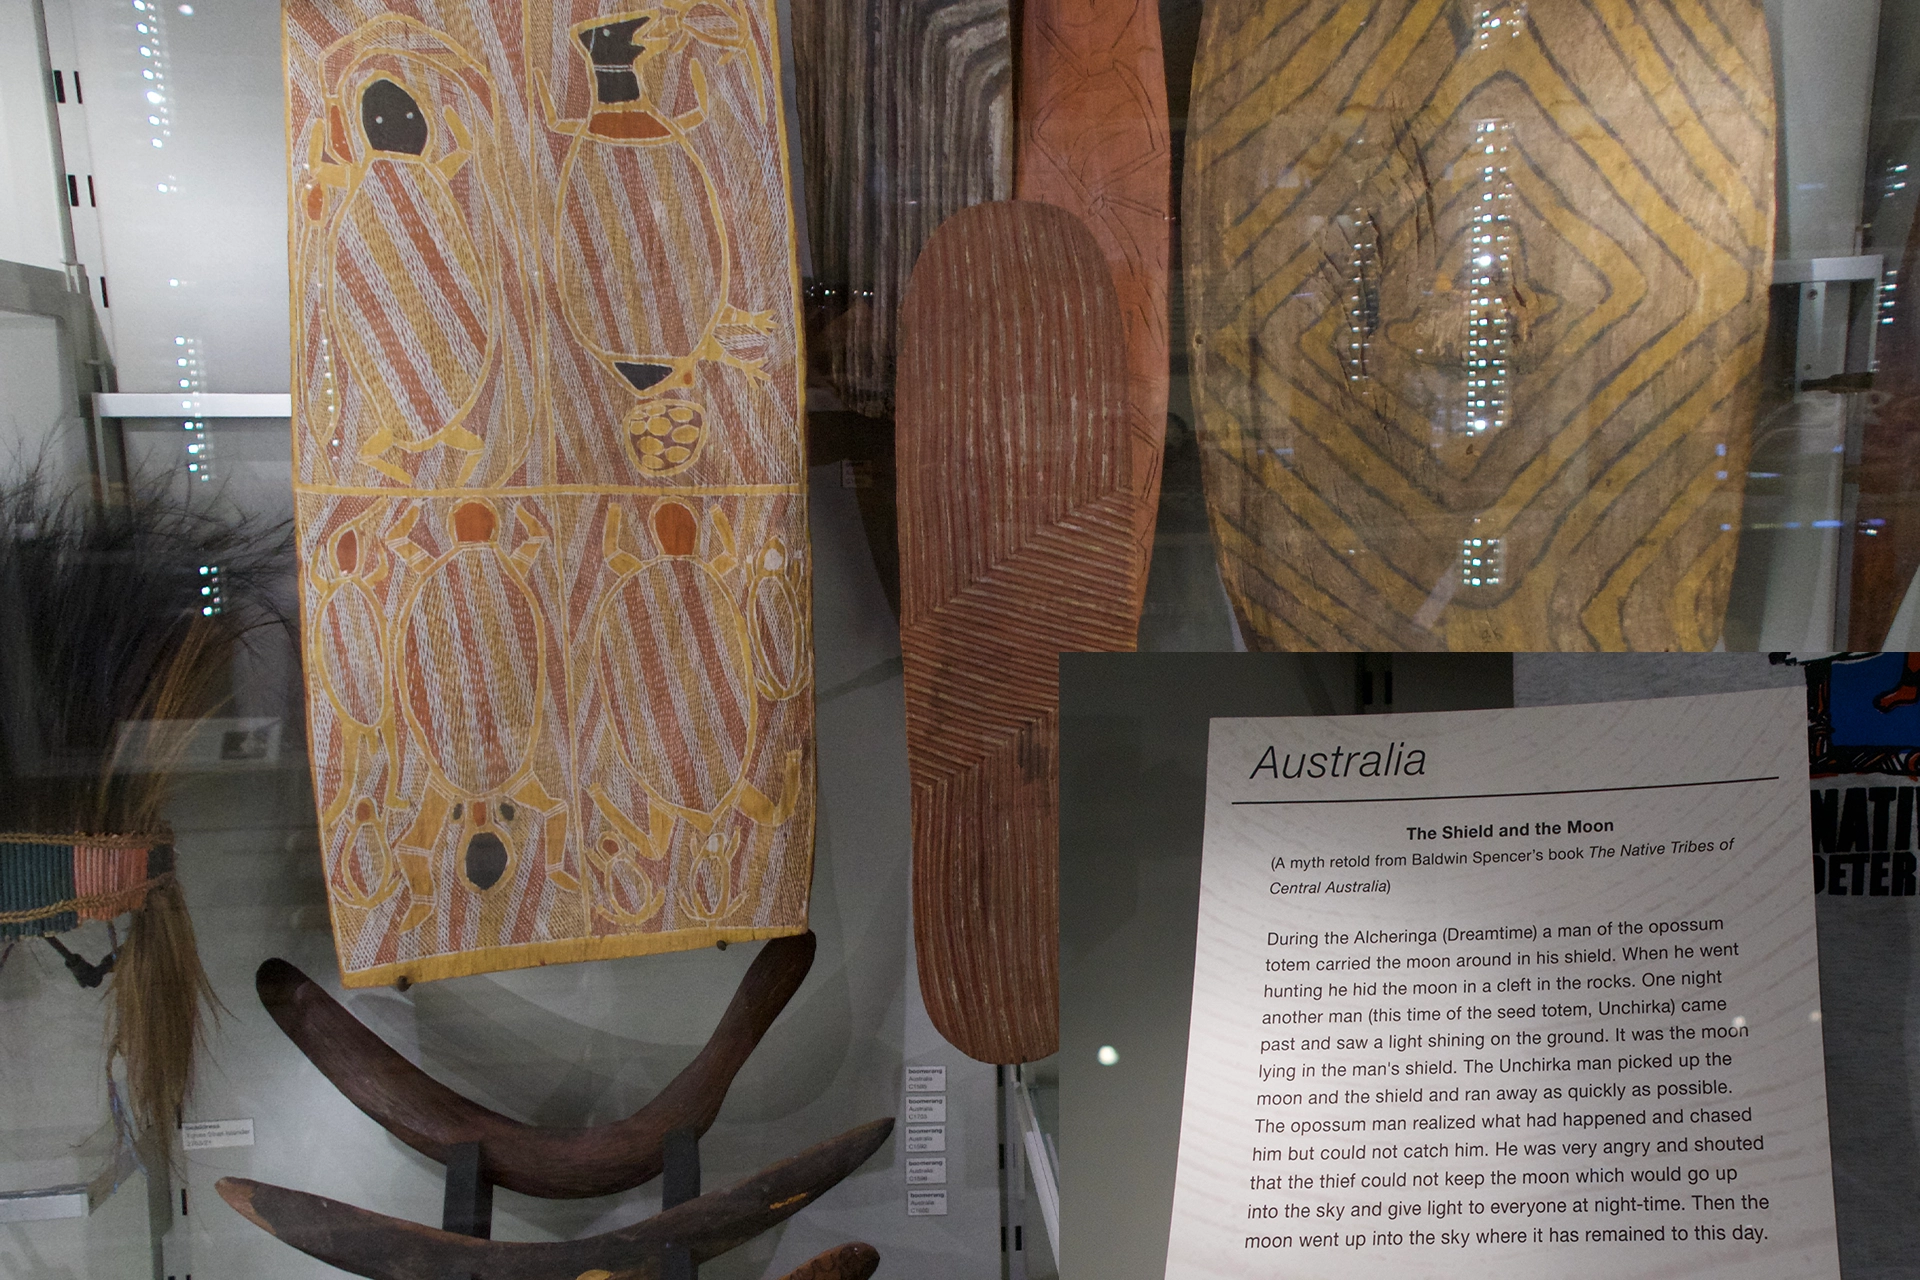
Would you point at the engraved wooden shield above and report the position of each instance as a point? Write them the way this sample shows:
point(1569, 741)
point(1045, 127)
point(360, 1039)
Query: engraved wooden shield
point(1094, 140)
point(549, 479)
point(1477, 292)
point(1017, 520)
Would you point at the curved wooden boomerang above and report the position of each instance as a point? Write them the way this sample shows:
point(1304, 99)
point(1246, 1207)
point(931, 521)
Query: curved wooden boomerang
point(555, 1163)
point(383, 1248)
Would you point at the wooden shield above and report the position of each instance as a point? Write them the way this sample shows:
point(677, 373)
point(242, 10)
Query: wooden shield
point(1093, 140)
point(1017, 542)
point(549, 479)
point(1478, 291)
point(906, 111)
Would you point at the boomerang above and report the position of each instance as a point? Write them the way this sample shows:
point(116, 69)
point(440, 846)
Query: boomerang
point(535, 1160)
point(384, 1248)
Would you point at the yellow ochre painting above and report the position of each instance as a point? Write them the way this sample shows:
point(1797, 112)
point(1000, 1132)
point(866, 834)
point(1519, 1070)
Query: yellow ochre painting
point(550, 480)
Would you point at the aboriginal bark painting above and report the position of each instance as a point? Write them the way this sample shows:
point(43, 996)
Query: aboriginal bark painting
point(1478, 291)
point(1094, 139)
point(1017, 543)
point(550, 483)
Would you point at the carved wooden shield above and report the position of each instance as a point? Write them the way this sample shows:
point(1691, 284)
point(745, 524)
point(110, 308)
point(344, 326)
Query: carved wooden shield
point(1478, 290)
point(1017, 543)
point(1094, 140)
point(549, 477)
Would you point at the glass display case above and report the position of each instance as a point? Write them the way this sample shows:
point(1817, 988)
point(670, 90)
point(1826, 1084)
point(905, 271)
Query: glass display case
point(575, 499)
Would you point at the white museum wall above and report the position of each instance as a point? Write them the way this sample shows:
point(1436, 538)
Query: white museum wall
point(29, 185)
point(32, 394)
point(1823, 51)
point(193, 230)
point(1555, 679)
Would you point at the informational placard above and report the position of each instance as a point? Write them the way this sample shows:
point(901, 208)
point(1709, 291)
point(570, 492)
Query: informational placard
point(927, 1110)
point(1503, 994)
point(927, 1204)
point(205, 1135)
point(926, 1171)
point(926, 1137)
point(926, 1079)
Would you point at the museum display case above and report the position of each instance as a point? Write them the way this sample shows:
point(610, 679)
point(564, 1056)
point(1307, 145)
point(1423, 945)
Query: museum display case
point(537, 539)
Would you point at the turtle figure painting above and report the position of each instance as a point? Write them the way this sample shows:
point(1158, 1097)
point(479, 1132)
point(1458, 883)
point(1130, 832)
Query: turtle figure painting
point(550, 482)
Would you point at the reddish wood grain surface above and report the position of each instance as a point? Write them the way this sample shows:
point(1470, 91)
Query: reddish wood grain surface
point(1017, 542)
point(1884, 564)
point(1093, 139)
point(534, 1160)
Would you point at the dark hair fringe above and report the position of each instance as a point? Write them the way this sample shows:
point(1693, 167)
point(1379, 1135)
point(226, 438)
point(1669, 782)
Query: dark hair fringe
point(101, 624)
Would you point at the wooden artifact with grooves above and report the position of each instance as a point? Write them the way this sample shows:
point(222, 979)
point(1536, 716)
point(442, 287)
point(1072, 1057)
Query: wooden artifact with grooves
point(385, 1248)
point(1093, 139)
point(1477, 292)
point(482, 1148)
point(549, 479)
point(906, 116)
point(535, 1160)
point(1018, 540)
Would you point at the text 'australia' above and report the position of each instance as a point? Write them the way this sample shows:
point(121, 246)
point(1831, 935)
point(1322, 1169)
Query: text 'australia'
point(1396, 761)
